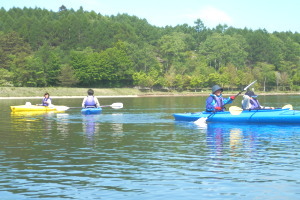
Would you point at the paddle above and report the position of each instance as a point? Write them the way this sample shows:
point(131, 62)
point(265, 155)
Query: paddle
point(114, 106)
point(61, 108)
point(203, 119)
point(235, 110)
point(245, 88)
point(289, 106)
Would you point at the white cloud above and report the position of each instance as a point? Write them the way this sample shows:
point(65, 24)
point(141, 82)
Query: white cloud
point(211, 16)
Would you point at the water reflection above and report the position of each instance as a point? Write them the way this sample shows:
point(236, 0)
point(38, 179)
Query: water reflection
point(215, 139)
point(32, 121)
point(62, 124)
point(26, 114)
point(90, 126)
point(117, 128)
point(232, 141)
point(236, 140)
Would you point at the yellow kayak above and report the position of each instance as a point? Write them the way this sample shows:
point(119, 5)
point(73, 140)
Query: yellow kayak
point(28, 108)
point(27, 115)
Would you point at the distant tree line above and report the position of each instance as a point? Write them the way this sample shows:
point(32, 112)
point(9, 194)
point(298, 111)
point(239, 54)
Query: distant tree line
point(70, 48)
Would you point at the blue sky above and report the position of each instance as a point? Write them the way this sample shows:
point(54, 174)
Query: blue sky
point(273, 15)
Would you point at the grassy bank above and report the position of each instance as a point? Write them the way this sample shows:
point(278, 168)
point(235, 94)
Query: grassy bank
point(71, 92)
point(65, 92)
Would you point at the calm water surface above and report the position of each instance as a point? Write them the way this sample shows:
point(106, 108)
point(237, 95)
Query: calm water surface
point(140, 152)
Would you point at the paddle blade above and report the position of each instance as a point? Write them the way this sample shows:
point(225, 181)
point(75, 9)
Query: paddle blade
point(249, 85)
point(116, 105)
point(234, 110)
point(62, 108)
point(288, 106)
point(201, 122)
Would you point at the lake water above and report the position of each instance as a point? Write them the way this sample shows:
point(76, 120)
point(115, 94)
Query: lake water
point(140, 152)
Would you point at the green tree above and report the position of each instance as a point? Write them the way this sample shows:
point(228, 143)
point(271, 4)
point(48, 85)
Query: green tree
point(28, 72)
point(220, 50)
point(197, 81)
point(83, 63)
point(5, 78)
point(171, 47)
point(51, 62)
point(116, 65)
point(11, 46)
point(265, 74)
point(143, 80)
point(67, 76)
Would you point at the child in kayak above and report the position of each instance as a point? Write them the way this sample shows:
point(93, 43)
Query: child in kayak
point(46, 100)
point(215, 102)
point(90, 100)
point(250, 102)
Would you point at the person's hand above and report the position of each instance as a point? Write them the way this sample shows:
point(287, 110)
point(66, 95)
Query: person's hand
point(232, 97)
point(218, 108)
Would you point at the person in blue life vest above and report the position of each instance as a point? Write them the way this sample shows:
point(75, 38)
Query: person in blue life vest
point(215, 102)
point(46, 100)
point(250, 102)
point(90, 100)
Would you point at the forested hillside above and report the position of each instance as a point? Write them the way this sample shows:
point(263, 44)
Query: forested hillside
point(86, 49)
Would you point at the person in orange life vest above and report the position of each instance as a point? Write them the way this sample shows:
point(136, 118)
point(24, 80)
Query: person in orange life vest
point(215, 102)
point(46, 100)
point(90, 100)
point(250, 102)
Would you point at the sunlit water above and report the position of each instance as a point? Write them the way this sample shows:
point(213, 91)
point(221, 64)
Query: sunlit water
point(140, 152)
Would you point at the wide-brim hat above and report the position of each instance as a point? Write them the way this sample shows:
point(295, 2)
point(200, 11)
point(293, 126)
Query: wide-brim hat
point(216, 88)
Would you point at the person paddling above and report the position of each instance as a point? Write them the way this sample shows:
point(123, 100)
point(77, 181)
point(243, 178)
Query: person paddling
point(90, 100)
point(250, 102)
point(215, 102)
point(46, 100)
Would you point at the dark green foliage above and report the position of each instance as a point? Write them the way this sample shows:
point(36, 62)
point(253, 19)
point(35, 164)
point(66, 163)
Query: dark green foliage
point(67, 76)
point(79, 48)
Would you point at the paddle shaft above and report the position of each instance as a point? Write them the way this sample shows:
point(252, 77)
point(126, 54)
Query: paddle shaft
point(114, 106)
point(245, 89)
point(92, 107)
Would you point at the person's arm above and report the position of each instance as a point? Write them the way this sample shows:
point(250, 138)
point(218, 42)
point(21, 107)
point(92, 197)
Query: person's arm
point(49, 102)
point(228, 100)
point(97, 102)
point(266, 107)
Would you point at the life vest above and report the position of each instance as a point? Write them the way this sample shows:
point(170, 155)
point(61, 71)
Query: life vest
point(219, 101)
point(214, 101)
point(255, 104)
point(90, 101)
point(45, 99)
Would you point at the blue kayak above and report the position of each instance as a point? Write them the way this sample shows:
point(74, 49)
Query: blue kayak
point(90, 111)
point(286, 116)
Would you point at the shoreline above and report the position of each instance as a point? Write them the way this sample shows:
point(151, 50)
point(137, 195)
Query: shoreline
point(141, 95)
point(70, 97)
point(68, 93)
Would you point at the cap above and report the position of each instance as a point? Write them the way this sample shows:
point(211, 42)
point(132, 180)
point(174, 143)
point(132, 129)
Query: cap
point(250, 93)
point(216, 88)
